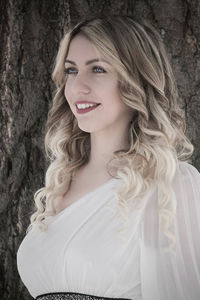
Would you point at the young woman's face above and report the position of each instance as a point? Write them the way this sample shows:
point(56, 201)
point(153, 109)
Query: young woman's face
point(93, 81)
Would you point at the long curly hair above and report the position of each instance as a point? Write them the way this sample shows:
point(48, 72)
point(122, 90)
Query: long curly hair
point(156, 135)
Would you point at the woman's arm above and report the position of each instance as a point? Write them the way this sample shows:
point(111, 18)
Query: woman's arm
point(166, 276)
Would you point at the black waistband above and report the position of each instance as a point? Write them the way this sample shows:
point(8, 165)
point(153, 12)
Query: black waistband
point(73, 296)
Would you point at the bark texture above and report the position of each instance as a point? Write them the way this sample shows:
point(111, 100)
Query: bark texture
point(30, 32)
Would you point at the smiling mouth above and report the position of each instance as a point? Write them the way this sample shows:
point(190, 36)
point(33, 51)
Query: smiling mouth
point(87, 104)
point(87, 109)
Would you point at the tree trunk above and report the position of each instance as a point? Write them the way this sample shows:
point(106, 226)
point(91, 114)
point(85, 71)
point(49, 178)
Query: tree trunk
point(30, 33)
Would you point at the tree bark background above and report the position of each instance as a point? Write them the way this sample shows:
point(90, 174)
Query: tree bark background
point(30, 32)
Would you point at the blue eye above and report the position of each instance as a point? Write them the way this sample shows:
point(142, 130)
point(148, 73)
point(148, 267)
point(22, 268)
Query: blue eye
point(95, 69)
point(99, 68)
point(68, 71)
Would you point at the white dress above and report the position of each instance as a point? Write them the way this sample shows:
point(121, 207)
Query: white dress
point(82, 252)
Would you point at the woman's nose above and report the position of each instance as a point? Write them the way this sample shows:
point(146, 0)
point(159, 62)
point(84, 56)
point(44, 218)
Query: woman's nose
point(80, 84)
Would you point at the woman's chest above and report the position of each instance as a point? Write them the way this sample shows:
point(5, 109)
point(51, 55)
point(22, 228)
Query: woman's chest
point(79, 188)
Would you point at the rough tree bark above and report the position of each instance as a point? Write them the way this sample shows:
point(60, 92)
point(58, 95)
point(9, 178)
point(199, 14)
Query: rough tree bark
point(30, 32)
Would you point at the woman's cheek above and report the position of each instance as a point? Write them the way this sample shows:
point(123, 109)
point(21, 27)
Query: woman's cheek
point(67, 93)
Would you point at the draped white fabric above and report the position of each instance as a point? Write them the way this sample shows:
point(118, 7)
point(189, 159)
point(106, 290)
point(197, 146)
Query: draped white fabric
point(81, 251)
point(165, 276)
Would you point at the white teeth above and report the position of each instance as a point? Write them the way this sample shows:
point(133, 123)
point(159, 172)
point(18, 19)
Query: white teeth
point(82, 106)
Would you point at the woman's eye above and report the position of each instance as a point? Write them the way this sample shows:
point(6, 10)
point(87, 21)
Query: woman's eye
point(69, 71)
point(99, 69)
point(95, 69)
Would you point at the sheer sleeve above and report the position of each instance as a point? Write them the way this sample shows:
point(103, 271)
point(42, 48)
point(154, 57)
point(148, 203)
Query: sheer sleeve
point(167, 276)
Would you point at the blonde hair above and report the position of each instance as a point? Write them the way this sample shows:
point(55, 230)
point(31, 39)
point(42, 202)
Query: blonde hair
point(156, 134)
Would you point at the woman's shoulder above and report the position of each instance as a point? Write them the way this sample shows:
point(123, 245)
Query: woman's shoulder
point(185, 166)
point(187, 190)
point(186, 182)
point(187, 174)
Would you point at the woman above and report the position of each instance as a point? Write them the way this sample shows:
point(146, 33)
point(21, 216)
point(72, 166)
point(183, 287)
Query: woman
point(119, 216)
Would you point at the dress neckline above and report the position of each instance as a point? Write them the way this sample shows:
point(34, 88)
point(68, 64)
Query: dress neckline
point(75, 203)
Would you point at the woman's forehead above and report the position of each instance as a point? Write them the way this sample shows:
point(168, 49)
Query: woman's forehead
point(80, 47)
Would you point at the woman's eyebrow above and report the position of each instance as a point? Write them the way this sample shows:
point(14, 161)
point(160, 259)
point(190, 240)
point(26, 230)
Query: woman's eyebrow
point(89, 61)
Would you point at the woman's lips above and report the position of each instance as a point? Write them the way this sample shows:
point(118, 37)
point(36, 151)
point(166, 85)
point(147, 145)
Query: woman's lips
point(87, 109)
point(85, 102)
